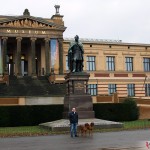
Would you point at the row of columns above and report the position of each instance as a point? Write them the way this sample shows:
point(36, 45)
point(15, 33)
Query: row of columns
point(32, 53)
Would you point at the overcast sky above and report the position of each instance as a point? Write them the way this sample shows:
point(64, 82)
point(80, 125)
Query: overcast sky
point(126, 20)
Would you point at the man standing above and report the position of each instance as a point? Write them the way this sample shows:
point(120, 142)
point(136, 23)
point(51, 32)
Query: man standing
point(73, 118)
point(75, 56)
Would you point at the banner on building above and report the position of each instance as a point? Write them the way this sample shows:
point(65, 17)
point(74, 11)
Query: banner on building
point(1, 67)
point(54, 54)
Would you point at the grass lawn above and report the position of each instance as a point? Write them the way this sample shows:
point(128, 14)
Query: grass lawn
point(23, 131)
point(139, 124)
point(36, 130)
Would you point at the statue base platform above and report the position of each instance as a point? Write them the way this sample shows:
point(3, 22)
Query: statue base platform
point(83, 104)
point(77, 95)
point(64, 125)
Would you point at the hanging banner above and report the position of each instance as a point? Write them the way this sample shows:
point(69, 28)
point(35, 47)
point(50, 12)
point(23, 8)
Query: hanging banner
point(1, 67)
point(54, 54)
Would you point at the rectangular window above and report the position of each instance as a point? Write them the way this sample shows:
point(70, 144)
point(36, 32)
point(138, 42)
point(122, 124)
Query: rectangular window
point(67, 63)
point(147, 89)
point(90, 63)
point(146, 63)
point(131, 89)
point(92, 89)
point(111, 88)
point(129, 63)
point(110, 63)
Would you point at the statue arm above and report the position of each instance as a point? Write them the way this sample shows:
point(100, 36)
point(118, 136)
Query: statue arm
point(70, 47)
point(70, 55)
point(81, 47)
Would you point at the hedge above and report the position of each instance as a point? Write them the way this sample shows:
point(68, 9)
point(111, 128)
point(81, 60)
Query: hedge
point(34, 115)
point(29, 115)
point(116, 111)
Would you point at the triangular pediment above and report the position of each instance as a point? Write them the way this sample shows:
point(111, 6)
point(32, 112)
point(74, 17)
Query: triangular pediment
point(29, 22)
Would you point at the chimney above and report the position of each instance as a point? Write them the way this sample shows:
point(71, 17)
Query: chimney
point(57, 9)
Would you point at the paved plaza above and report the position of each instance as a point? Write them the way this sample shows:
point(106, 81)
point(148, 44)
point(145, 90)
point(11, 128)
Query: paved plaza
point(121, 140)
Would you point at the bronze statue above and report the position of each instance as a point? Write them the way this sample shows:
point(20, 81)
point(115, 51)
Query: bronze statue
point(75, 56)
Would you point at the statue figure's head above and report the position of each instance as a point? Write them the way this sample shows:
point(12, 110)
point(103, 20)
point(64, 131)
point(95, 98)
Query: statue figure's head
point(76, 38)
point(26, 12)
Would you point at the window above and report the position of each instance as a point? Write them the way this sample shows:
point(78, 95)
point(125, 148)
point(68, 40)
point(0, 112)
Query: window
point(129, 63)
point(131, 89)
point(67, 63)
point(110, 62)
point(146, 63)
point(90, 63)
point(147, 89)
point(111, 88)
point(92, 89)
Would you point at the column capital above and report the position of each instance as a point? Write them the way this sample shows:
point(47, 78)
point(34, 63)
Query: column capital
point(19, 38)
point(46, 39)
point(33, 39)
point(60, 39)
point(4, 37)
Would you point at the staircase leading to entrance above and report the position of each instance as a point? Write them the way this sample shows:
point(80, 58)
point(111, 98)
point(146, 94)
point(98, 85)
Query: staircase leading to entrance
point(28, 86)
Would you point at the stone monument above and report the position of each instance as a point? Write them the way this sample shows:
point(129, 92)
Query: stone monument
point(77, 94)
point(77, 83)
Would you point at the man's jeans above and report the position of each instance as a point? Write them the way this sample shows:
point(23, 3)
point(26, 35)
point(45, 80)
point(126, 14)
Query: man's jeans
point(73, 129)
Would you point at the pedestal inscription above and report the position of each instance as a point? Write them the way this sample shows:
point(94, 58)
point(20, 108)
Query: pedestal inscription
point(77, 95)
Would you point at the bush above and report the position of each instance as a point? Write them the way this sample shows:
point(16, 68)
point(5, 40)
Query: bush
point(133, 109)
point(33, 115)
point(126, 111)
point(29, 115)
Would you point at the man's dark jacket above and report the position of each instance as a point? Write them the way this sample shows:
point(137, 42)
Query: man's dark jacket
point(73, 117)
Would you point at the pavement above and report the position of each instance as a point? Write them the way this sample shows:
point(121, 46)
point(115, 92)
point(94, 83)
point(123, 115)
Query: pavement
point(64, 125)
point(121, 140)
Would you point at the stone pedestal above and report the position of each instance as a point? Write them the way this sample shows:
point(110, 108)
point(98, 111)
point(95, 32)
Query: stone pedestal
point(77, 95)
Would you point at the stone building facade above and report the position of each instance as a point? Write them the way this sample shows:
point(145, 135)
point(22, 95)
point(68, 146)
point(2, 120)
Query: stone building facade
point(25, 44)
point(34, 46)
point(115, 67)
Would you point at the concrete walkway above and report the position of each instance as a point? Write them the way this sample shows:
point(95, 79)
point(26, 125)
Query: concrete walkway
point(122, 140)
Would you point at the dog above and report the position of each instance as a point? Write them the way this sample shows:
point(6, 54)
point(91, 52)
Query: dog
point(90, 128)
point(83, 129)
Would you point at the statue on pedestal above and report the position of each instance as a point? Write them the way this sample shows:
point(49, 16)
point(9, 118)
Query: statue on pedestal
point(75, 56)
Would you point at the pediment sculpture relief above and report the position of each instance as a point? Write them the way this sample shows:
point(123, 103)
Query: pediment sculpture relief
point(25, 23)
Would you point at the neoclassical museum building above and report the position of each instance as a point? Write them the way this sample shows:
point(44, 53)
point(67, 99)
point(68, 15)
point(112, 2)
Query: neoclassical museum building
point(35, 47)
point(26, 44)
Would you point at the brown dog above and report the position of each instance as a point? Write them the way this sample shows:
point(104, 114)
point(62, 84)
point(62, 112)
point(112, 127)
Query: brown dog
point(90, 128)
point(82, 130)
point(86, 127)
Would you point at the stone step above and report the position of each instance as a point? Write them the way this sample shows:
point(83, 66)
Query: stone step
point(64, 125)
point(28, 86)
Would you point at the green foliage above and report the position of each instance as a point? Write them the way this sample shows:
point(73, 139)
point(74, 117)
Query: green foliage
point(4, 116)
point(126, 111)
point(133, 109)
point(11, 116)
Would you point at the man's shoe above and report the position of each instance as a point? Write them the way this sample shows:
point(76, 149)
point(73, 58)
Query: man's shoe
point(76, 136)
